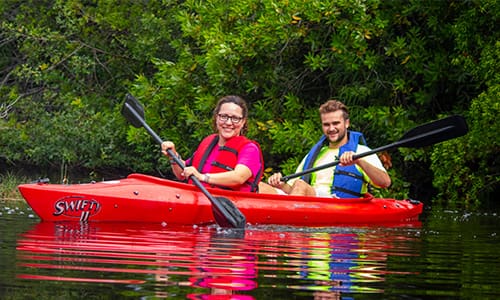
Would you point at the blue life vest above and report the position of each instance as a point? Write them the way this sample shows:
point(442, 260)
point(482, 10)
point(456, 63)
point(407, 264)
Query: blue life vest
point(348, 181)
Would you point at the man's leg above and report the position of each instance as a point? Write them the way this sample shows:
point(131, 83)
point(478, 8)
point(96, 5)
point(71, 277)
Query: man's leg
point(300, 187)
point(265, 188)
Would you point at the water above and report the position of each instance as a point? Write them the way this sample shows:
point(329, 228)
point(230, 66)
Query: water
point(449, 255)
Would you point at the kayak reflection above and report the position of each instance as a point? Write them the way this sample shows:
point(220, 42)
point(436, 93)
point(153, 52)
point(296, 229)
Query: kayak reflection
point(205, 262)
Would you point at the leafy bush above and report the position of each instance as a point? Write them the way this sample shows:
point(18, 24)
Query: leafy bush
point(467, 169)
point(66, 65)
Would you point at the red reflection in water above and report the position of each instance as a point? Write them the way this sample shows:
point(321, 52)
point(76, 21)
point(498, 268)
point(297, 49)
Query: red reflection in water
point(76, 279)
point(228, 264)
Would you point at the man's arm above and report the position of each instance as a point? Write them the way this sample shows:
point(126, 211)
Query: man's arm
point(379, 177)
point(371, 165)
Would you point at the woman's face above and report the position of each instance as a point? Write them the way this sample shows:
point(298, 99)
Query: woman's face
point(230, 121)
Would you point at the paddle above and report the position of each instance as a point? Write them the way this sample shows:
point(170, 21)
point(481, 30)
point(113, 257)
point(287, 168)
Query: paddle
point(226, 214)
point(420, 136)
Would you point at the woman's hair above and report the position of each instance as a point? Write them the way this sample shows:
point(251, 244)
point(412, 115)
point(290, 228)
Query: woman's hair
point(238, 101)
point(334, 105)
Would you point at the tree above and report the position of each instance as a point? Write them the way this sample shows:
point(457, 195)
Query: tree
point(395, 64)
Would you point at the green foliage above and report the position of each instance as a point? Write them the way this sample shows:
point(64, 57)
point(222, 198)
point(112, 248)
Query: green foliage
point(467, 169)
point(68, 62)
point(66, 65)
point(8, 186)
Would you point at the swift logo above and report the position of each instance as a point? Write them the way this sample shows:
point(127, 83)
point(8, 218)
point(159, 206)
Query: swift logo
point(76, 207)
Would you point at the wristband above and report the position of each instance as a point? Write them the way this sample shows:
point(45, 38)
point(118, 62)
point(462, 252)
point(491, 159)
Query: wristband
point(206, 178)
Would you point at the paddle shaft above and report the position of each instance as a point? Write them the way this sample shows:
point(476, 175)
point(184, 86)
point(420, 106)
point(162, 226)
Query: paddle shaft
point(219, 208)
point(401, 143)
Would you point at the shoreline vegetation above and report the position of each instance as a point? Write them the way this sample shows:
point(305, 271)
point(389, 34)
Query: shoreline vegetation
point(66, 68)
point(8, 186)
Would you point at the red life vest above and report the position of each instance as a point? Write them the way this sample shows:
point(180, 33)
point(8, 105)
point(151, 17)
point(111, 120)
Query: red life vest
point(226, 159)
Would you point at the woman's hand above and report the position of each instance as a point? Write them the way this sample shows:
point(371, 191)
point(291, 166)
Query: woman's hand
point(168, 145)
point(191, 171)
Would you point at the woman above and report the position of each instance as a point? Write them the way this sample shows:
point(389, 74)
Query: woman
point(226, 159)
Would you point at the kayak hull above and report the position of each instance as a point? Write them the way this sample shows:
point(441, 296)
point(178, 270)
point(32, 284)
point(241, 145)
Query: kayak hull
point(143, 198)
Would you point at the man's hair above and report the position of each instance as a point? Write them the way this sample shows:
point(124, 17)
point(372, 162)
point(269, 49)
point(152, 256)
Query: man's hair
point(334, 105)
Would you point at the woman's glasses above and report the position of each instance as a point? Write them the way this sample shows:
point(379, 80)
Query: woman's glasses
point(234, 119)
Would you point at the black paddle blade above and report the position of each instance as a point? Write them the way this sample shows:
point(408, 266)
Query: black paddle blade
point(132, 104)
point(232, 217)
point(434, 132)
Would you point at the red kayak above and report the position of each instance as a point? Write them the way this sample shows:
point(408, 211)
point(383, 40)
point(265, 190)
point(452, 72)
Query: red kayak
point(143, 198)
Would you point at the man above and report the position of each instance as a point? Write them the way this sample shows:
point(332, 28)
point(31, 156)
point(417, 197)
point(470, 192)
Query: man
point(351, 177)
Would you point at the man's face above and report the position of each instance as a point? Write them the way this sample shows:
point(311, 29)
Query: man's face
point(335, 127)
